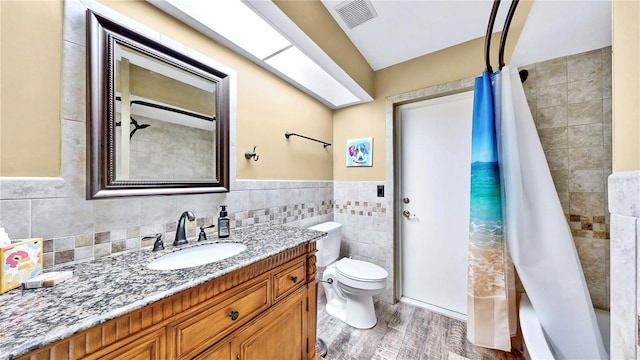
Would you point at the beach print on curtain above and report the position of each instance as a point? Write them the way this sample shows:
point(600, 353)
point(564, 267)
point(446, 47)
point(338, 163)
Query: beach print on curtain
point(490, 272)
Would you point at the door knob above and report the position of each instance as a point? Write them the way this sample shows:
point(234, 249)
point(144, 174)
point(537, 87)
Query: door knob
point(406, 214)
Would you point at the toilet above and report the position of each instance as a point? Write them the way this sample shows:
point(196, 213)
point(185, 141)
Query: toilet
point(349, 284)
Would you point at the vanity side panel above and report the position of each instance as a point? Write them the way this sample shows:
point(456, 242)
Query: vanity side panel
point(312, 303)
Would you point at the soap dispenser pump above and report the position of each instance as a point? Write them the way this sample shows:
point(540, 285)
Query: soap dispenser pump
point(223, 223)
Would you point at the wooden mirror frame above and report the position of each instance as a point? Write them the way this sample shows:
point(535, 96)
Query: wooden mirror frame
point(102, 36)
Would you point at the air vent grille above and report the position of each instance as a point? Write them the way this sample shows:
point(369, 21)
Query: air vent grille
point(356, 12)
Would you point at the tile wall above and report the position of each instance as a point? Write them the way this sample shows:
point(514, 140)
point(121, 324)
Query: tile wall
point(367, 225)
point(112, 226)
point(570, 100)
point(75, 229)
point(151, 158)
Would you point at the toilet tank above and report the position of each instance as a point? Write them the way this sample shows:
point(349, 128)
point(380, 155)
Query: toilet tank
point(329, 245)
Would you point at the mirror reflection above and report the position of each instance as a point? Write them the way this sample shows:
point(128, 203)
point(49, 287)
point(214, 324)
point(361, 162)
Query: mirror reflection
point(171, 130)
point(158, 115)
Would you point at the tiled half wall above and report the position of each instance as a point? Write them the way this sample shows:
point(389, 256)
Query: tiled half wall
point(367, 225)
point(78, 230)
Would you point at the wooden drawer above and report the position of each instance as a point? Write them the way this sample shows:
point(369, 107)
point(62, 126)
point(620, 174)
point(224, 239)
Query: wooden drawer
point(289, 279)
point(202, 329)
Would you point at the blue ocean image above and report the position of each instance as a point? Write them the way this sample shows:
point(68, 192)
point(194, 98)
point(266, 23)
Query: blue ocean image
point(485, 225)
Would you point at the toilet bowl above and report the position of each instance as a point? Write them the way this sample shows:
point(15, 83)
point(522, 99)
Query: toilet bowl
point(349, 284)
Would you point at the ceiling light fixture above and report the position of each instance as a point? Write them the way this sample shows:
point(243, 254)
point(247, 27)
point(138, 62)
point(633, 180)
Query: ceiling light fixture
point(241, 27)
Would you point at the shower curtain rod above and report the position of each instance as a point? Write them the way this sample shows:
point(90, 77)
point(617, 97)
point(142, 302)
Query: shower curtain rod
point(505, 31)
point(503, 38)
point(166, 108)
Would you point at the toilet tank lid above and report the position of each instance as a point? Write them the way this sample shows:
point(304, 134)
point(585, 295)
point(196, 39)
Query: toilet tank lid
point(326, 226)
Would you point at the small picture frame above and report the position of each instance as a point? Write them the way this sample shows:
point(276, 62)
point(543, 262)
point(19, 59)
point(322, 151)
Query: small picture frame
point(360, 152)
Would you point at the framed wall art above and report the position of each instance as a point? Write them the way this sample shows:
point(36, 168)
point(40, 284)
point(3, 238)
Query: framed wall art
point(359, 152)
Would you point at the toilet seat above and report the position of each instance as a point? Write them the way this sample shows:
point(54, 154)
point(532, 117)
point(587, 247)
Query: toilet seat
point(360, 270)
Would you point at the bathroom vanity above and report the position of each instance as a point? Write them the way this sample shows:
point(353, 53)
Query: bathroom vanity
point(259, 304)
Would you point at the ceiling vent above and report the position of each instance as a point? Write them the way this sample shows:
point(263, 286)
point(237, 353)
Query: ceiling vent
point(356, 12)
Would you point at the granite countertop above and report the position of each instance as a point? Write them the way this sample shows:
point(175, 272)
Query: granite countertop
point(108, 287)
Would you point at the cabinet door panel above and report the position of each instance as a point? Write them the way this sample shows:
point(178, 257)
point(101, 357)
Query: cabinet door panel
point(201, 330)
point(218, 352)
point(280, 334)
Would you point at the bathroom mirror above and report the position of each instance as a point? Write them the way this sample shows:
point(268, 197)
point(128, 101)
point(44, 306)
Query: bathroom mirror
point(158, 119)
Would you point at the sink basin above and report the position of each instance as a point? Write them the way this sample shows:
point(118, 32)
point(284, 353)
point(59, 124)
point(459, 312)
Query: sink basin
point(196, 256)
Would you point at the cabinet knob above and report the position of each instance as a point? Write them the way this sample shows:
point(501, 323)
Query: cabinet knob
point(294, 279)
point(234, 314)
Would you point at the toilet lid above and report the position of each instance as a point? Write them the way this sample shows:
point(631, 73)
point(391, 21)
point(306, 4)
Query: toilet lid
point(361, 270)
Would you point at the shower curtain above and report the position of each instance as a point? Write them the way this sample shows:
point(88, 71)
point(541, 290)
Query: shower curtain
point(536, 234)
point(491, 292)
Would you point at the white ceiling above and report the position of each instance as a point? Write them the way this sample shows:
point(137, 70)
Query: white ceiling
point(406, 29)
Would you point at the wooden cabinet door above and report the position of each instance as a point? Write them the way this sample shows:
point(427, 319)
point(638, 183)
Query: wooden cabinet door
point(280, 334)
point(147, 347)
point(218, 352)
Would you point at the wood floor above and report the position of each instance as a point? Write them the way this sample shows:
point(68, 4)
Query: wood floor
point(403, 332)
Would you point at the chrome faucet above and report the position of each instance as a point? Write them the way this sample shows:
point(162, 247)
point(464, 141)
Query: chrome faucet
point(181, 233)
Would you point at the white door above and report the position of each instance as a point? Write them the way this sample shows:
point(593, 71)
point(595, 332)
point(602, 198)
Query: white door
point(434, 168)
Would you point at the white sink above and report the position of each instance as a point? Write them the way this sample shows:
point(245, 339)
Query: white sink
point(196, 256)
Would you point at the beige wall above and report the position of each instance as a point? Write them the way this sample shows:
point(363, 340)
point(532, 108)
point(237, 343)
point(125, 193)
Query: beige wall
point(313, 18)
point(30, 68)
point(626, 85)
point(457, 62)
point(267, 106)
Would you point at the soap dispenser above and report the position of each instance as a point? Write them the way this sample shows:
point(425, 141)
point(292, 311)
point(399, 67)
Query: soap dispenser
point(223, 223)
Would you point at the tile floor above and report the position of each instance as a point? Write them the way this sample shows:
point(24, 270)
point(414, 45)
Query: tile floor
point(403, 332)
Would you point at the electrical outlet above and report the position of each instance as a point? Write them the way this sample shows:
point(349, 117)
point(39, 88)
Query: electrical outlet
point(380, 190)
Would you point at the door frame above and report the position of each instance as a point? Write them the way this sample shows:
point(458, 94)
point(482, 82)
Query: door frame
point(394, 161)
point(398, 165)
